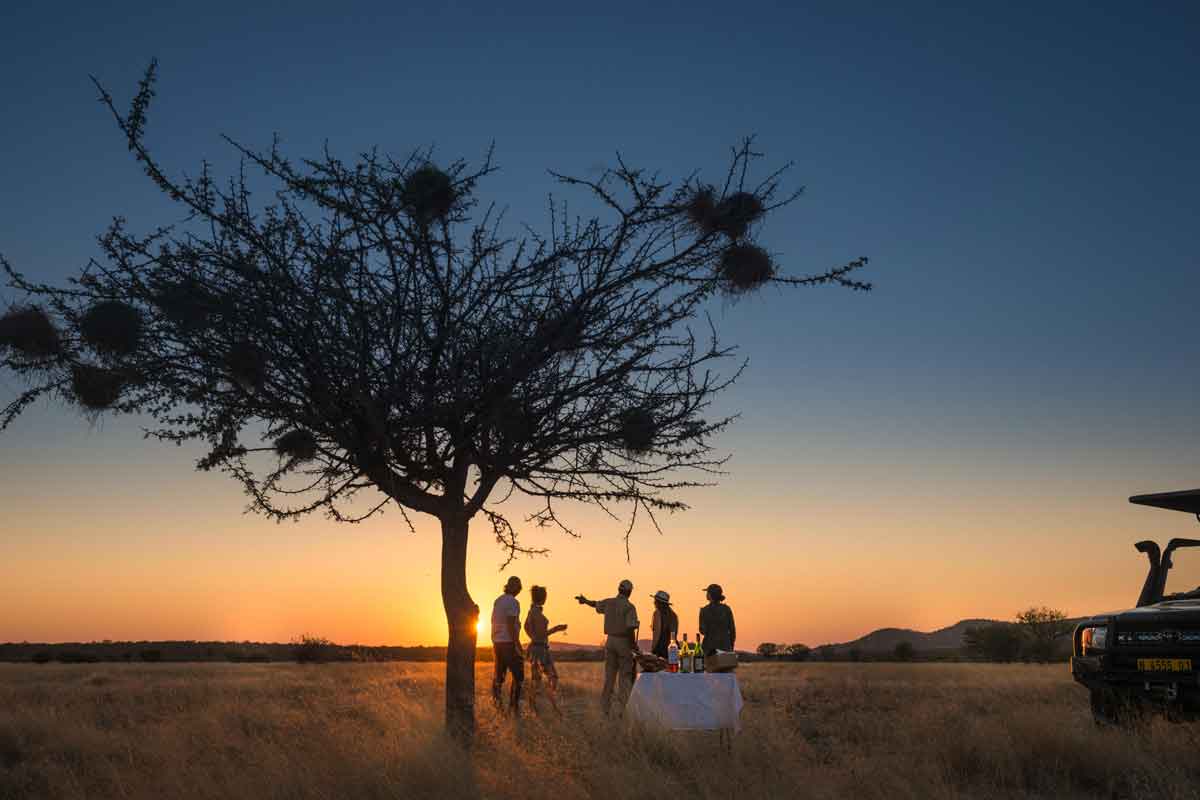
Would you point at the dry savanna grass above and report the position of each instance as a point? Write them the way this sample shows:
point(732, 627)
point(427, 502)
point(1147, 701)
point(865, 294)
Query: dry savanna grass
point(373, 731)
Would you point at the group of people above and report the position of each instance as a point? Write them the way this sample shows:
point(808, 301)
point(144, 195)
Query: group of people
point(716, 632)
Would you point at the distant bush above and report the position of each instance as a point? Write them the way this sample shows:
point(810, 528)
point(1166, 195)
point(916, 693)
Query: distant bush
point(153, 655)
point(996, 642)
point(1044, 628)
point(798, 652)
point(41, 657)
point(76, 657)
point(309, 649)
point(904, 651)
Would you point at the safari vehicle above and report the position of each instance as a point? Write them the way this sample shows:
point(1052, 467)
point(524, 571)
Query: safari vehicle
point(1146, 658)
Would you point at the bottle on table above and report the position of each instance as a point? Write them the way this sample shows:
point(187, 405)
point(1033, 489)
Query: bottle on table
point(685, 656)
point(673, 656)
point(698, 656)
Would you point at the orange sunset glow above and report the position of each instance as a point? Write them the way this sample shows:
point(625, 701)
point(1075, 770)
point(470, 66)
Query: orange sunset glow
point(118, 541)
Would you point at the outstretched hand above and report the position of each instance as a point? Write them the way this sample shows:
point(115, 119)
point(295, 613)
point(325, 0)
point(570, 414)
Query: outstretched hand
point(582, 600)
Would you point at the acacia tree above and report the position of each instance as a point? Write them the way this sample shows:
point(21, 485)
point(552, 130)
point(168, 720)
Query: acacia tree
point(1043, 627)
point(370, 338)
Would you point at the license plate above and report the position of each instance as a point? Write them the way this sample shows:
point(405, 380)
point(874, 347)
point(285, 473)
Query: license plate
point(1165, 664)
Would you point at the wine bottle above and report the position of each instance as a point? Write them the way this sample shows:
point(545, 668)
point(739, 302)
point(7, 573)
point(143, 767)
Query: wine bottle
point(685, 656)
point(698, 657)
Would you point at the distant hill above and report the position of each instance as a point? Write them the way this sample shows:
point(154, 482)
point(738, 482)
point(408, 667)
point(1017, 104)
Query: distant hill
point(885, 640)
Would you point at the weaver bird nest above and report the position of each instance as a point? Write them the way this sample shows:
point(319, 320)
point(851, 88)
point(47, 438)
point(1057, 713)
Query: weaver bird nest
point(298, 445)
point(111, 327)
point(745, 267)
point(30, 331)
point(428, 193)
point(732, 216)
point(637, 430)
point(96, 388)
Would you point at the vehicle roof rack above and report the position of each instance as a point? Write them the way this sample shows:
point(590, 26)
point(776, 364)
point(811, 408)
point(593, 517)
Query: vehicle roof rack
point(1187, 501)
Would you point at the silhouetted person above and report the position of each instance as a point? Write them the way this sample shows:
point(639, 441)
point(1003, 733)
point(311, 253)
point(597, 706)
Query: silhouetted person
point(716, 622)
point(506, 642)
point(620, 644)
point(665, 625)
point(538, 629)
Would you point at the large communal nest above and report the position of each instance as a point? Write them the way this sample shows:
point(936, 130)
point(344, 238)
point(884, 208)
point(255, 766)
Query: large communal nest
point(247, 365)
point(428, 193)
point(96, 388)
point(732, 216)
point(297, 446)
point(112, 327)
point(745, 267)
point(637, 429)
point(30, 331)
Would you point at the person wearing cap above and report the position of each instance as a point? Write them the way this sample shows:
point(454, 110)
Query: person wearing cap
point(665, 624)
point(716, 622)
point(620, 644)
point(506, 643)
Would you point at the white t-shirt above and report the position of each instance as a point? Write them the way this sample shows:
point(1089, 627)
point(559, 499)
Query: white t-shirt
point(505, 607)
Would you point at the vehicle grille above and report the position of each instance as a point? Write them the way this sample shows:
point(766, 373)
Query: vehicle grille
point(1158, 636)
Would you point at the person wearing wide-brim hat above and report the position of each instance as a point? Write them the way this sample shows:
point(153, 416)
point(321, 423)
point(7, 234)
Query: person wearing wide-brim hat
point(716, 622)
point(665, 625)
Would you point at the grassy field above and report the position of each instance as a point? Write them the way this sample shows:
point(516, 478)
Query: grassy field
point(372, 731)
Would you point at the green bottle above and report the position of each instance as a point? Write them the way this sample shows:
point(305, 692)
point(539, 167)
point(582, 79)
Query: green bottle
point(685, 656)
point(698, 657)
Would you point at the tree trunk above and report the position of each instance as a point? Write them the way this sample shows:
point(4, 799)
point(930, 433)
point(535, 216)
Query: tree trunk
point(461, 616)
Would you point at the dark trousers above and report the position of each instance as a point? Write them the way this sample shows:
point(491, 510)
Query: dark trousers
point(507, 660)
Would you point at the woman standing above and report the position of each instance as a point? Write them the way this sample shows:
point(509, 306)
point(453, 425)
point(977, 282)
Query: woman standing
point(665, 626)
point(538, 629)
point(716, 622)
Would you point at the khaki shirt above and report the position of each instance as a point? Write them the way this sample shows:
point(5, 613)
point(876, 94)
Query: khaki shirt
point(619, 617)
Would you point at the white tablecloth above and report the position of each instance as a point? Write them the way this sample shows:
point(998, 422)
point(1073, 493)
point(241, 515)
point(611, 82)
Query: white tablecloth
point(678, 701)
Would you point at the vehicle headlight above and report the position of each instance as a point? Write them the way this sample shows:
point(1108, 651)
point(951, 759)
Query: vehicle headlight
point(1093, 639)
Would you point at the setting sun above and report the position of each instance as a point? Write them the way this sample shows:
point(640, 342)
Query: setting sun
point(480, 627)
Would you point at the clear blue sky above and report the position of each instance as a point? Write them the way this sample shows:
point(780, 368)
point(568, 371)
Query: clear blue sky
point(1023, 177)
